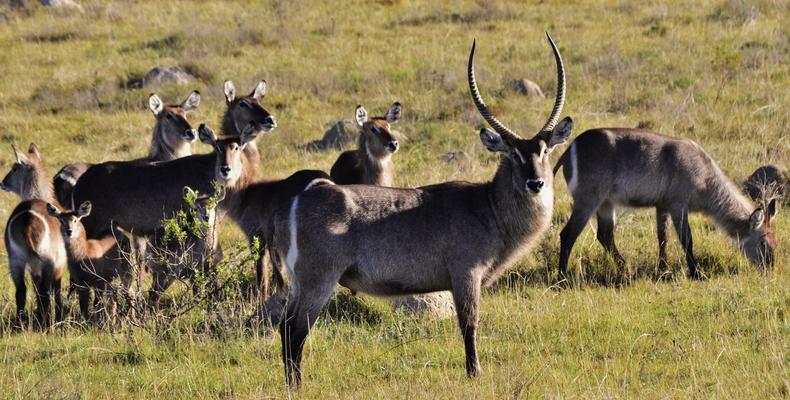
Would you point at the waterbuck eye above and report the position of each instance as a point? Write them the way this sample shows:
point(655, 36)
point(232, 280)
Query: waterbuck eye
point(245, 104)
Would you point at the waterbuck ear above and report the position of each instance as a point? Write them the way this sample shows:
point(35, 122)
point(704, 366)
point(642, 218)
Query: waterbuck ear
point(207, 135)
point(192, 102)
point(85, 209)
point(20, 158)
point(155, 104)
point(52, 210)
point(756, 219)
point(259, 91)
point(361, 115)
point(493, 141)
point(771, 211)
point(220, 193)
point(394, 113)
point(561, 133)
point(230, 91)
point(189, 194)
point(32, 150)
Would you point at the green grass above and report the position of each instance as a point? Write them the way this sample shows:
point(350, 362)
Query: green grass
point(712, 71)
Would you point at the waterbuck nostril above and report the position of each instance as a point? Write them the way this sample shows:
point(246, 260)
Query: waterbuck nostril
point(535, 185)
point(392, 146)
point(270, 121)
point(68, 232)
point(225, 170)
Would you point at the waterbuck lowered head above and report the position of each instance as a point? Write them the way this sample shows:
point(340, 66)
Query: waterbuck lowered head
point(245, 113)
point(28, 176)
point(454, 236)
point(172, 133)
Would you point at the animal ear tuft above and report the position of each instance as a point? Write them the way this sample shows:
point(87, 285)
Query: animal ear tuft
point(361, 115)
point(155, 104)
point(207, 135)
point(189, 194)
point(493, 141)
point(394, 113)
point(230, 91)
point(33, 151)
point(85, 209)
point(259, 91)
point(192, 102)
point(52, 210)
point(771, 211)
point(562, 132)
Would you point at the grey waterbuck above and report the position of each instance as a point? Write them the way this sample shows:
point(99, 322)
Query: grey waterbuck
point(454, 236)
point(371, 162)
point(93, 263)
point(608, 167)
point(171, 139)
point(32, 238)
point(155, 189)
point(180, 256)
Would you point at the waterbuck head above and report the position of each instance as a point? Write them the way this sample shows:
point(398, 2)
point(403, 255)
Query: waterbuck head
point(246, 113)
point(70, 226)
point(229, 151)
point(375, 137)
point(27, 177)
point(172, 126)
point(528, 158)
point(759, 244)
point(204, 206)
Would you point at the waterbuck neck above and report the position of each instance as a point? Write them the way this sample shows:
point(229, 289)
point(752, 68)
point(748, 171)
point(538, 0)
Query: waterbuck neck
point(234, 195)
point(727, 205)
point(39, 187)
point(377, 171)
point(81, 248)
point(162, 151)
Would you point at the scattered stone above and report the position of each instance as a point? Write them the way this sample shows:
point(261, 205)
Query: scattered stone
point(438, 305)
point(526, 87)
point(63, 4)
point(161, 75)
point(338, 137)
point(767, 182)
point(453, 156)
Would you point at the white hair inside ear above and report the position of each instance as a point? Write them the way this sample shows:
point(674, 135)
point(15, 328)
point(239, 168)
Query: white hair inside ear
point(361, 115)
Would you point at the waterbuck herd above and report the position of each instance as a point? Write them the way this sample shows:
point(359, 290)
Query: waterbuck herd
point(351, 227)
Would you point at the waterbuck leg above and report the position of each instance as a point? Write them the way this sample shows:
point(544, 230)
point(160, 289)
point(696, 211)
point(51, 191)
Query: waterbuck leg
point(680, 218)
point(56, 291)
point(84, 295)
point(18, 276)
point(662, 225)
point(43, 286)
point(605, 234)
point(466, 294)
point(161, 281)
point(582, 212)
point(302, 311)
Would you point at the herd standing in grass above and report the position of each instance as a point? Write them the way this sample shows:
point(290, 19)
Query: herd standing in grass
point(352, 227)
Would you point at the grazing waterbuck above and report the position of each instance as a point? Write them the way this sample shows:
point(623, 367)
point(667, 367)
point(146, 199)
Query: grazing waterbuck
point(171, 139)
point(193, 244)
point(454, 236)
point(371, 163)
point(94, 263)
point(31, 236)
point(608, 167)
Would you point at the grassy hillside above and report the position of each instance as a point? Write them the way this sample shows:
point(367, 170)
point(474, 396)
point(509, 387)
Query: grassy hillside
point(716, 72)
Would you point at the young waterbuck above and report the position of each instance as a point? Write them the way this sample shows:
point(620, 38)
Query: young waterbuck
point(191, 243)
point(31, 236)
point(371, 163)
point(137, 196)
point(171, 139)
point(93, 263)
point(454, 236)
point(608, 167)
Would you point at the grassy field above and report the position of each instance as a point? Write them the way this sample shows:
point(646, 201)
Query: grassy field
point(713, 71)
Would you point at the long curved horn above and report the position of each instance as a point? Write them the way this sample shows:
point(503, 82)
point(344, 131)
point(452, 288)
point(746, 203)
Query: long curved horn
point(560, 100)
point(481, 105)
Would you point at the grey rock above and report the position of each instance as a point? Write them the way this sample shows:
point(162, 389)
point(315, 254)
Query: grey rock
point(161, 75)
point(438, 305)
point(526, 87)
point(62, 4)
point(339, 136)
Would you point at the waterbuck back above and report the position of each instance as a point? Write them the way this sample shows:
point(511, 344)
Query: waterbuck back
point(172, 137)
point(451, 236)
point(31, 235)
point(371, 162)
point(605, 168)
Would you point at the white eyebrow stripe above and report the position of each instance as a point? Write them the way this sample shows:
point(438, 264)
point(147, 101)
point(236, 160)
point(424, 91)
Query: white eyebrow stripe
point(523, 161)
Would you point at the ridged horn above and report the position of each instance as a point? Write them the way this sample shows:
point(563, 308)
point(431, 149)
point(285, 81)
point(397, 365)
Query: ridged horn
point(481, 105)
point(560, 100)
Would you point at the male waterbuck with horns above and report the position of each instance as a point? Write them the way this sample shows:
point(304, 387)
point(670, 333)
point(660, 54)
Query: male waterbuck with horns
point(137, 196)
point(32, 238)
point(451, 236)
point(371, 163)
point(631, 167)
point(172, 138)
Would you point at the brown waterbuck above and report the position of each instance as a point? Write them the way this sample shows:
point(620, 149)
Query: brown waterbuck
point(32, 239)
point(608, 167)
point(137, 196)
point(454, 236)
point(195, 247)
point(93, 263)
point(371, 163)
point(171, 139)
